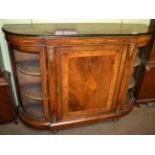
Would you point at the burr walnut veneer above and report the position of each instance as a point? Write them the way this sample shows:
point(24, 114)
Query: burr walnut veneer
point(74, 74)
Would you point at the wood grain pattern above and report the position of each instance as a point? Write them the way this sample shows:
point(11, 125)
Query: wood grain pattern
point(15, 40)
point(130, 59)
point(72, 41)
point(43, 66)
point(89, 77)
point(52, 84)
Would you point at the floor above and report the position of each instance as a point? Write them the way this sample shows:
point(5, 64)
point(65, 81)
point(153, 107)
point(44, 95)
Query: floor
point(141, 121)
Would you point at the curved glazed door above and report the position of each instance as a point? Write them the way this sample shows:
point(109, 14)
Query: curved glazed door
point(88, 79)
point(31, 72)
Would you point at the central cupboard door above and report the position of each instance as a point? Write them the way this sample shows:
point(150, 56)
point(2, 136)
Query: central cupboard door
point(88, 79)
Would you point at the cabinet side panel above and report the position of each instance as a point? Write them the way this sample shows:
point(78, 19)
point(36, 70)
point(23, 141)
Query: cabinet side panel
point(147, 89)
point(7, 112)
point(152, 55)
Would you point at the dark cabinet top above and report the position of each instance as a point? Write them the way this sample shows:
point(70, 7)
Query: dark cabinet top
point(77, 29)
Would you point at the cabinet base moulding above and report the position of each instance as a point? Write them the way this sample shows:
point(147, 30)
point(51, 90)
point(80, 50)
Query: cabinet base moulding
point(37, 124)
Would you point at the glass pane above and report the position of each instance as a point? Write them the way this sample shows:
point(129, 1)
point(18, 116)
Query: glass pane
point(132, 82)
point(29, 82)
point(130, 95)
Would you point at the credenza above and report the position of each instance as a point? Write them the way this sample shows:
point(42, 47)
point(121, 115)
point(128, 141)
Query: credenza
point(75, 74)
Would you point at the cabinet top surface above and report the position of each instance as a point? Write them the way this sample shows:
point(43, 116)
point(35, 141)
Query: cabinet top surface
point(76, 29)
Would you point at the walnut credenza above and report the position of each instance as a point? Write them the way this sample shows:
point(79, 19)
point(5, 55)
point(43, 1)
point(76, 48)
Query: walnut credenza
point(74, 74)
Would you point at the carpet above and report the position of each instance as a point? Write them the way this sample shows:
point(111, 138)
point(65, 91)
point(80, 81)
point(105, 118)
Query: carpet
point(141, 121)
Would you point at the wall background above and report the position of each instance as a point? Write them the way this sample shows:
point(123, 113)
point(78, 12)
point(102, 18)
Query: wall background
point(4, 50)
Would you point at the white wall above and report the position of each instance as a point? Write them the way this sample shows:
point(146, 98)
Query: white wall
point(3, 43)
point(130, 21)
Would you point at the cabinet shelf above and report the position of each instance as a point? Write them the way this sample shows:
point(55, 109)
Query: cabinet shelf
point(33, 92)
point(34, 110)
point(131, 83)
point(29, 67)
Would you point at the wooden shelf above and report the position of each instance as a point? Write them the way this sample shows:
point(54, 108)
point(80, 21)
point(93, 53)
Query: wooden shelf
point(33, 92)
point(29, 67)
point(33, 108)
point(35, 111)
point(131, 83)
point(137, 61)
